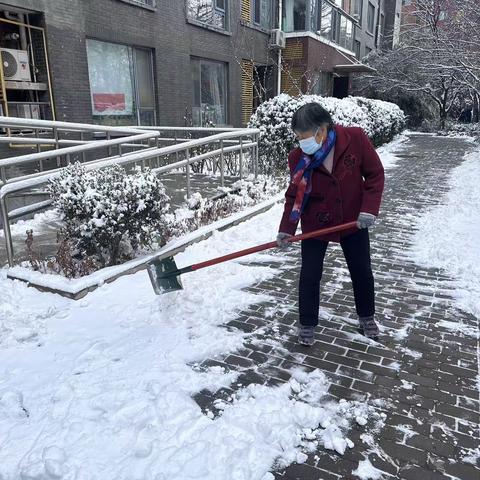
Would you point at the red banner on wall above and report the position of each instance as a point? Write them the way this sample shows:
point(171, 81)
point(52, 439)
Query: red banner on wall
point(108, 101)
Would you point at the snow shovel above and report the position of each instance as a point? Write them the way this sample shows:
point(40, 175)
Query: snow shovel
point(165, 276)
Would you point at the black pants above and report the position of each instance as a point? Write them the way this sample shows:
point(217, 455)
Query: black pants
point(356, 248)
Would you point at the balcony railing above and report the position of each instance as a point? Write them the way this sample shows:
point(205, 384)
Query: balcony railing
point(321, 17)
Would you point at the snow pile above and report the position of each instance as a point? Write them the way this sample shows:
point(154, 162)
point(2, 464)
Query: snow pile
point(48, 220)
point(366, 471)
point(387, 152)
point(447, 235)
point(380, 120)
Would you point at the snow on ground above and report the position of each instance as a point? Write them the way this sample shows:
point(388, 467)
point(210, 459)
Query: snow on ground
point(39, 223)
point(102, 388)
point(387, 151)
point(366, 471)
point(448, 237)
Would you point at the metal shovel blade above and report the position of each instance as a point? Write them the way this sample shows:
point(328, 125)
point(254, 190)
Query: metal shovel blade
point(162, 276)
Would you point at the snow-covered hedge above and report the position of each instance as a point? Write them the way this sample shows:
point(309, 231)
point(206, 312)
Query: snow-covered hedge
point(108, 214)
point(380, 120)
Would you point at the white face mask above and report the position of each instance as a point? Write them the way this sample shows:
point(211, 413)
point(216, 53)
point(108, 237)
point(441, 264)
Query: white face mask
point(310, 145)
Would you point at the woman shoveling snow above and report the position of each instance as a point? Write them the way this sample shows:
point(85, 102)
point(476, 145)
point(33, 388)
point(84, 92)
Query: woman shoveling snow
point(336, 177)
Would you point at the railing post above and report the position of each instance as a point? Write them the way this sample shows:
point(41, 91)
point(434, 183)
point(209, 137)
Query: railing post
point(119, 149)
point(39, 148)
point(255, 156)
point(222, 165)
point(176, 140)
point(109, 147)
point(56, 137)
point(188, 173)
point(241, 158)
point(6, 231)
point(82, 138)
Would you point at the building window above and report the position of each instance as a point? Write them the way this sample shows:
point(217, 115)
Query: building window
point(213, 13)
point(209, 79)
point(326, 20)
point(371, 18)
point(261, 13)
point(336, 20)
point(347, 6)
point(294, 15)
point(141, 3)
point(358, 10)
point(357, 46)
point(323, 84)
point(121, 84)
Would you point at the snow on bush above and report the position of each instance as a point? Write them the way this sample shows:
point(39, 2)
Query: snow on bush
point(380, 120)
point(109, 214)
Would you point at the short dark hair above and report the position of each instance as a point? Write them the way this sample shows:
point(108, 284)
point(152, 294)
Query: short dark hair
point(309, 117)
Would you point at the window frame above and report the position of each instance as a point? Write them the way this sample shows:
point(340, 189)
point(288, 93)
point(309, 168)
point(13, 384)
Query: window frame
point(142, 4)
point(226, 17)
point(256, 24)
point(135, 88)
point(199, 60)
point(357, 48)
point(360, 14)
point(372, 31)
point(220, 9)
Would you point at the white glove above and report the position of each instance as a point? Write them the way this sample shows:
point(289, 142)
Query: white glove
point(366, 220)
point(281, 239)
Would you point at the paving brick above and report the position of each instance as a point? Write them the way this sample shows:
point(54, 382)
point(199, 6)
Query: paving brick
point(457, 412)
point(429, 444)
point(301, 472)
point(405, 453)
point(463, 471)
point(342, 360)
point(413, 472)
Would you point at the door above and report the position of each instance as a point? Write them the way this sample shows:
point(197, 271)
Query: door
point(340, 87)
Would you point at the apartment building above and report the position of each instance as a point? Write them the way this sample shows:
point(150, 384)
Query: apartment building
point(177, 62)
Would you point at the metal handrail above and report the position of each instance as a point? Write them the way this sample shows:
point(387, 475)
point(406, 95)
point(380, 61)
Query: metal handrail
point(66, 126)
point(19, 183)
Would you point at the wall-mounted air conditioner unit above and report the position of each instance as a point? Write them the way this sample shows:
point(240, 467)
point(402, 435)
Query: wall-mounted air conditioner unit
point(28, 110)
point(277, 39)
point(15, 65)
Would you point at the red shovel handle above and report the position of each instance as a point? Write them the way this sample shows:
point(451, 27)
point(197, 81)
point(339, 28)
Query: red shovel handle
point(266, 246)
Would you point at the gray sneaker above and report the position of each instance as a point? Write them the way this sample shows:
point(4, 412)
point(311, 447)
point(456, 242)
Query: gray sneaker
point(369, 327)
point(306, 335)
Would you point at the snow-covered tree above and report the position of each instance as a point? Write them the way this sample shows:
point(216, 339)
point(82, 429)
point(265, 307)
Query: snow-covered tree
point(437, 58)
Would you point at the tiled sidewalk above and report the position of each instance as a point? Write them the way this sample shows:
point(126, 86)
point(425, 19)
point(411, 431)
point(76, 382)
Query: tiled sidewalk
point(426, 373)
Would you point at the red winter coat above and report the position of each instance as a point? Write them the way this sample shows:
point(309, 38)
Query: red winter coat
point(355, 185)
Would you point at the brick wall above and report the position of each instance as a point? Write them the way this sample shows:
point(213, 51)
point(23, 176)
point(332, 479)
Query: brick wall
point(70, 22)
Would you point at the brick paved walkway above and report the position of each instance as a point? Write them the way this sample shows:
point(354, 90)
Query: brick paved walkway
point(426, 372)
